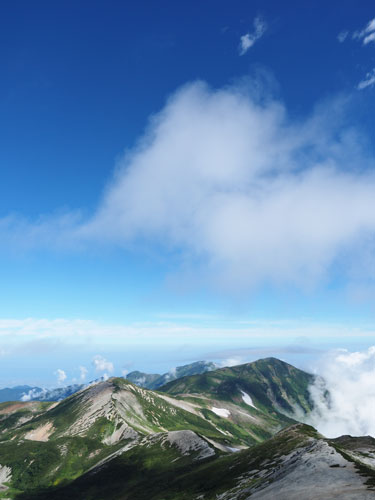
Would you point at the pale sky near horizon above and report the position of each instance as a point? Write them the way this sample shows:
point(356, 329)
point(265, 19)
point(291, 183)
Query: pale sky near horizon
point(184, 181)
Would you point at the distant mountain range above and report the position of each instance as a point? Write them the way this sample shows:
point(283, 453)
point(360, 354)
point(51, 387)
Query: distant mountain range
point(28, 393)
point(227, 434)
point(154, 381)
point(16, 393)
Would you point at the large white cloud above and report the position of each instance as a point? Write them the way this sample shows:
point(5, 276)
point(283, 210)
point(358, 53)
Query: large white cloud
point(242, 193)
point(349, 378)
point(233, 183)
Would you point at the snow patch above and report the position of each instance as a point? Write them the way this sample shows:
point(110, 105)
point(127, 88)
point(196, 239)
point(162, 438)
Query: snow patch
point(222, 412)
point(247, 399)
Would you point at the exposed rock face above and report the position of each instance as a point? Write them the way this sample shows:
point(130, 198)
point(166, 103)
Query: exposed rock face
point(188, 442)
point(316, 472)
point(101, 401)
point(41, 433)
point(5, 476)
point(313, 470)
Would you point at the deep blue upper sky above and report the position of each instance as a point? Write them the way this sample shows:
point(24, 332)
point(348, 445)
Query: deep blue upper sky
point(80, 79)
point(79, 82)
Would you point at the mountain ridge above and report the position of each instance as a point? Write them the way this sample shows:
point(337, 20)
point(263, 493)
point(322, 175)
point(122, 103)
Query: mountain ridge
point(226, 434)
point(155, 381)
point(150, 381)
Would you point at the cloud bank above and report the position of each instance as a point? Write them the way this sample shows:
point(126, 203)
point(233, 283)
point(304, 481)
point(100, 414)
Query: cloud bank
point(350, 409)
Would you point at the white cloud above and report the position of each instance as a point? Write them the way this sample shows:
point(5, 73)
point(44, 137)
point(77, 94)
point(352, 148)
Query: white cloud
point(350, 409)
point(369, 81)
point(233, 361)
point(245, 194)
point(365, 32)
point(370, 26)
point(369, 38)
point(342, 36)
point(249, 39)
point(226, 181)
point(33, 393)
point(102, 365)
point(83, 373)
point(366, 35)
point(61, 376)
point(229, 337)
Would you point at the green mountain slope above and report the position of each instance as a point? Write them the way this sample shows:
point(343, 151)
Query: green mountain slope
point(296, 463)
point(116, 440)
point(46, 444)
point(261, 397)
point(270, 383)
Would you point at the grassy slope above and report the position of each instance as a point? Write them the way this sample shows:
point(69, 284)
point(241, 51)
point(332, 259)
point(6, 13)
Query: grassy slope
point(276, 389)
point(271, 383)
point(155, 474)
point(64, 458)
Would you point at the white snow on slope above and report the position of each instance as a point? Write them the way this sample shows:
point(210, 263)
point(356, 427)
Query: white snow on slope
point(247, 399)
point(222, 412)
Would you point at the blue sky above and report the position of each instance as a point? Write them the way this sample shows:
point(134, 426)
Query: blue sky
point(196, 177)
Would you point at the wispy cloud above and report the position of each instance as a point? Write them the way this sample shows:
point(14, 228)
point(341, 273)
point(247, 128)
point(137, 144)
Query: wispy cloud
point(235, 343)
point(367, 34)
point(369, 80)
point(342, 36)
point(83, 373)
point(49, 335)
point(369, 38)
point(248, 39)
